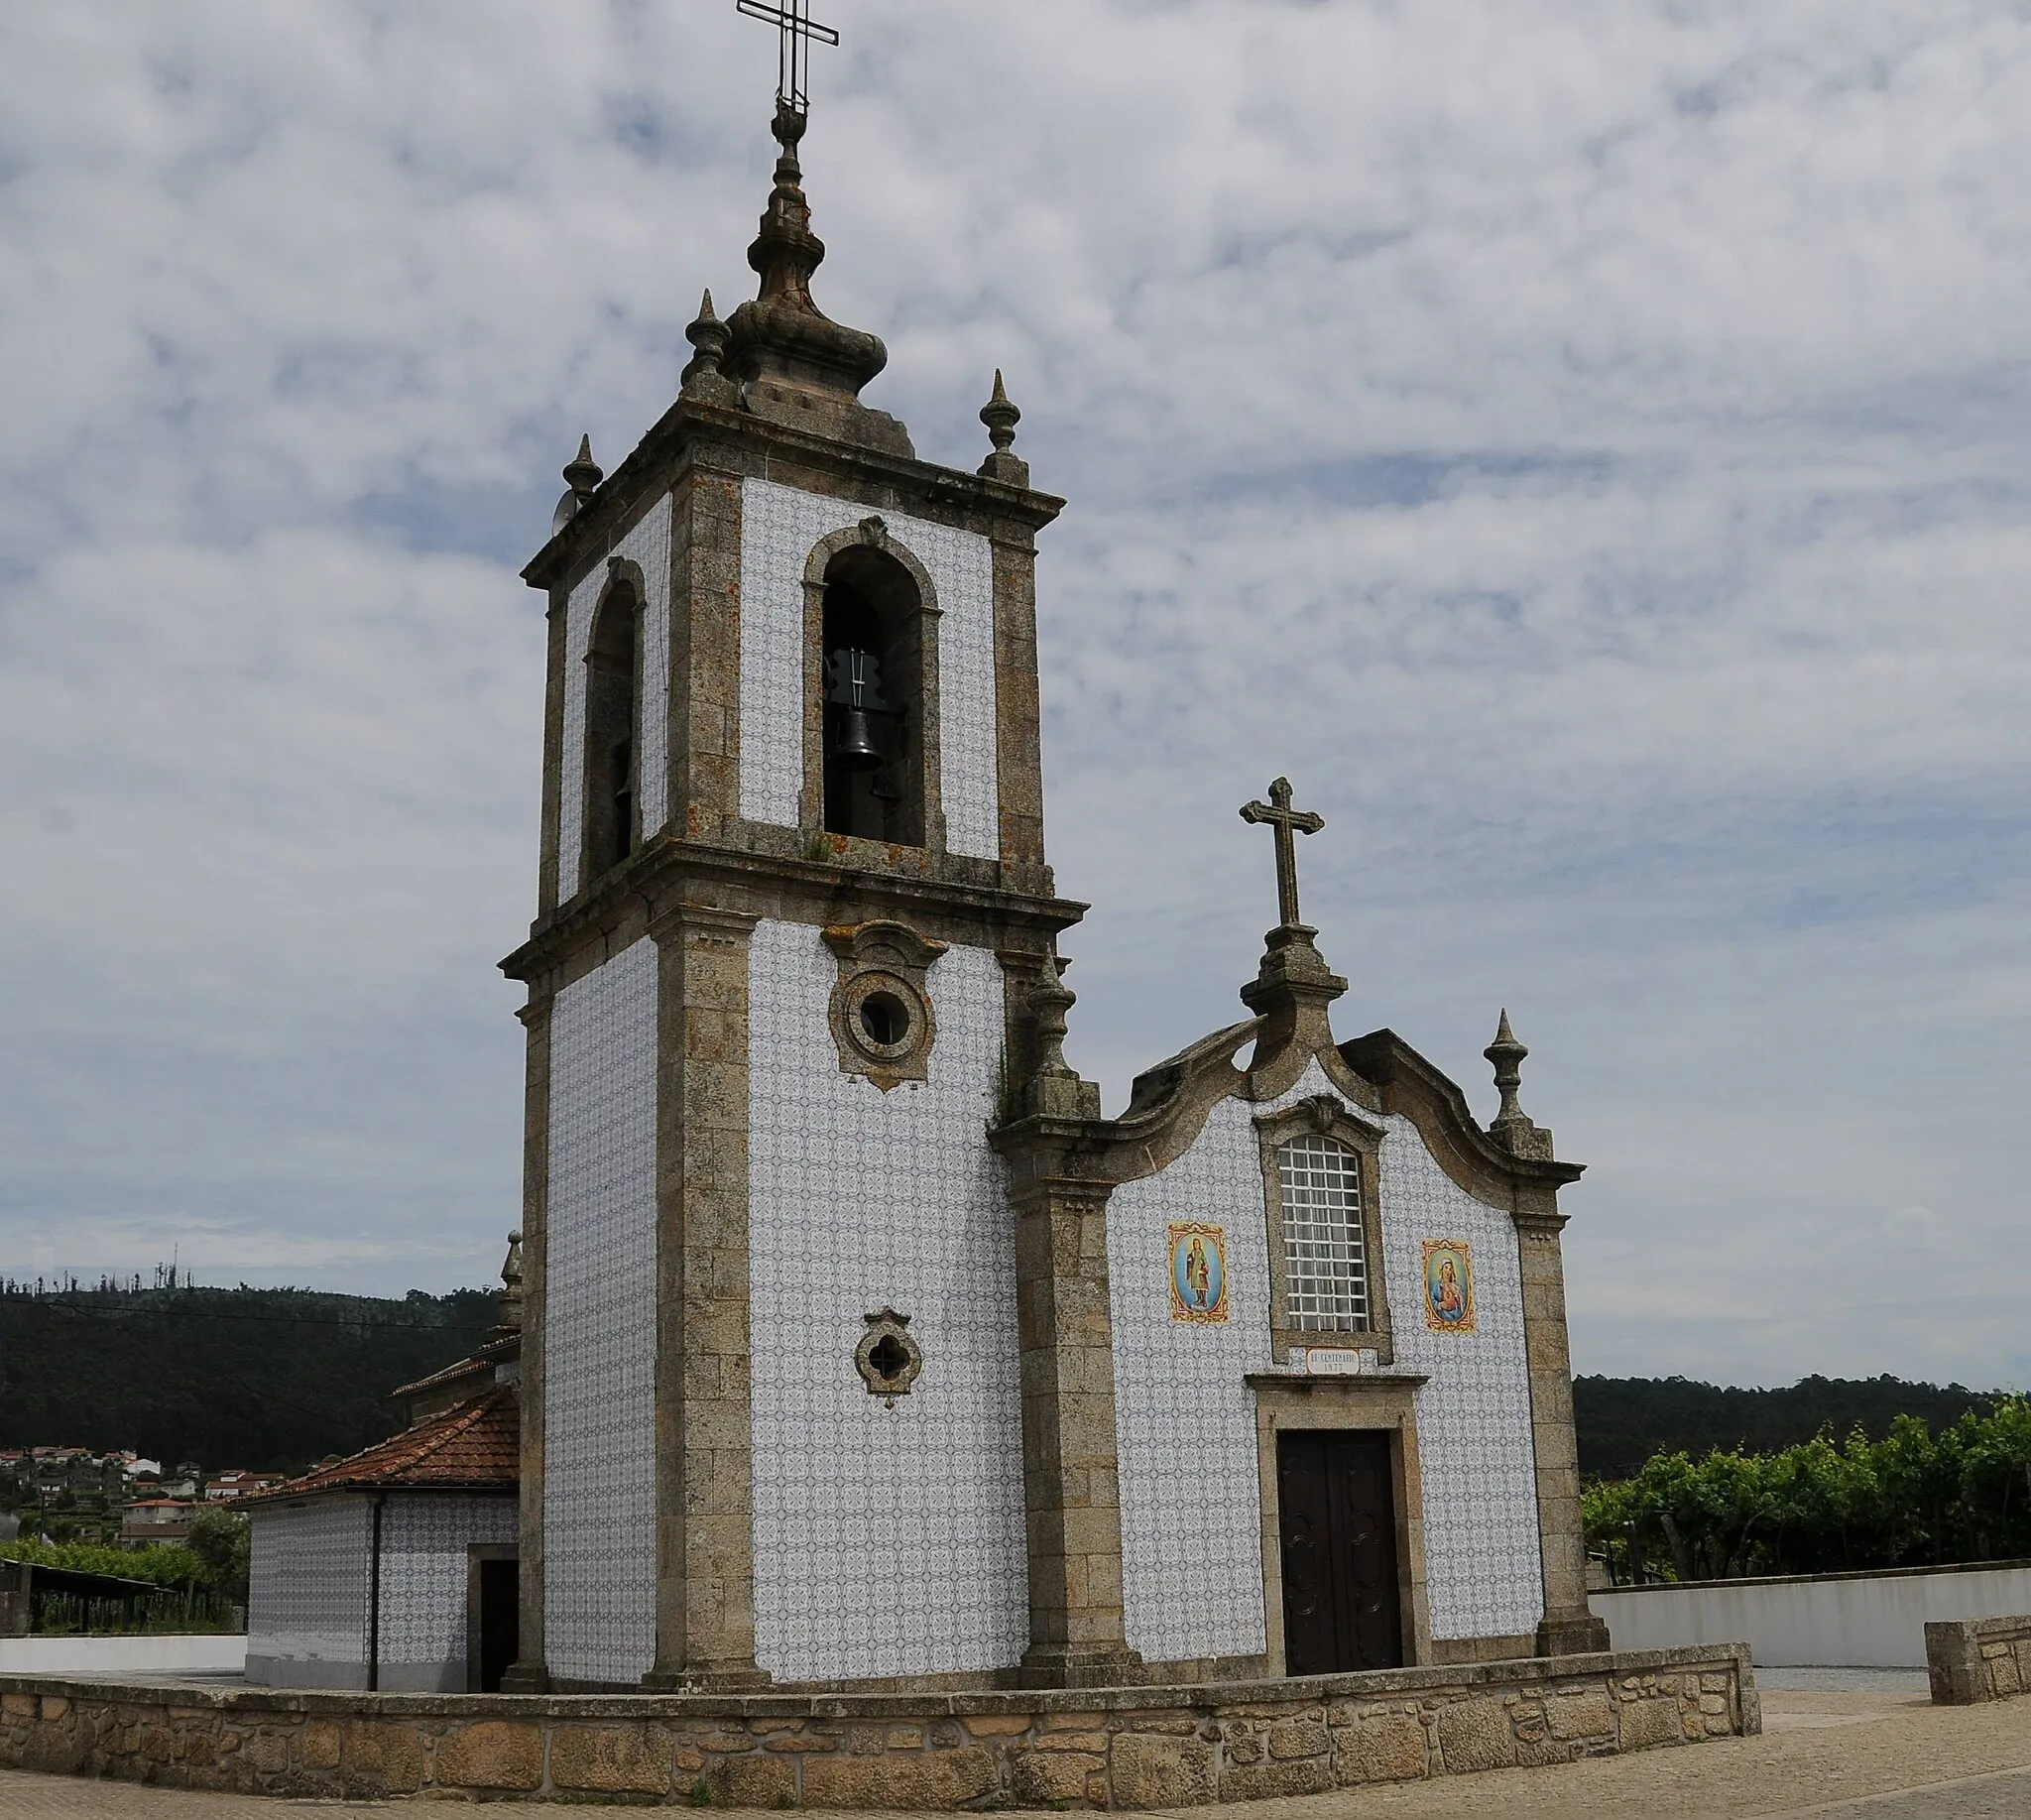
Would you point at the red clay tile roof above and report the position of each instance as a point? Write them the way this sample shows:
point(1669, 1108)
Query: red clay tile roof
point(482, 1360)
point(474, 1447)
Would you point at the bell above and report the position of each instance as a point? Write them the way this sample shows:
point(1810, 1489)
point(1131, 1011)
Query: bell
point(854, 747)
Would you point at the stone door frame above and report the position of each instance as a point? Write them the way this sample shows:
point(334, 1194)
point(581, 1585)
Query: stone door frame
point(1372, 1400)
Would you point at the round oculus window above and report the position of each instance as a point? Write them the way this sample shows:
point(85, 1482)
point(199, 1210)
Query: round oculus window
point(884, 1019)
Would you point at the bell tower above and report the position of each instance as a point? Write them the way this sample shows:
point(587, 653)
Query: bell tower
point(788, 1398)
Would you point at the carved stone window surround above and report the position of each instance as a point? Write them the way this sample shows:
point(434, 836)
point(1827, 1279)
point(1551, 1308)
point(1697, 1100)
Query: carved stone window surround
point(880, 1013)
point(1325, 1116)
point(888, 1357)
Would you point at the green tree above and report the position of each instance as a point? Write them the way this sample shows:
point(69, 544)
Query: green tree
point(221, 1541)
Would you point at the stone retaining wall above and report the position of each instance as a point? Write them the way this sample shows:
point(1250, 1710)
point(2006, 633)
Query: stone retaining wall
point(1123, 1747)
point(1974, 1659)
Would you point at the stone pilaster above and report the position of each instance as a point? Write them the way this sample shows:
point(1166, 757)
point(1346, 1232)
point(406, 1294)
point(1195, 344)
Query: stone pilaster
point(1019, 748)
point(528, 1673)
point(1568, 1626)
point(1069, 1473)
point(705, 655)
point(705, 1555)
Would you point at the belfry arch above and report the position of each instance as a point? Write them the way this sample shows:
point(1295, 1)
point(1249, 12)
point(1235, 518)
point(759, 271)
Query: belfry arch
point(612, 732)
point(871, 672)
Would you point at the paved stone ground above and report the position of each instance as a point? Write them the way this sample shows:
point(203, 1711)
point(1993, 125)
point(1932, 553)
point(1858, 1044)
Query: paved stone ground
point(1882, 1753)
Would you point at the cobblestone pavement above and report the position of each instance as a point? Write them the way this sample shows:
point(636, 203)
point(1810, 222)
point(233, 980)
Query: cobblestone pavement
point(1823, 1755)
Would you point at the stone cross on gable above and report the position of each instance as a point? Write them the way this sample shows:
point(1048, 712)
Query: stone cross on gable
point(799, 28)
point(1287, 821)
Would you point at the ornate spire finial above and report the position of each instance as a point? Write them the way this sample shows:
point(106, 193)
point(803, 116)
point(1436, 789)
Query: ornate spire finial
point(1517, 1133)
point(786, 252)
point(705, 376)
point(1001, 416)
point(582, 476)
point(794, 365)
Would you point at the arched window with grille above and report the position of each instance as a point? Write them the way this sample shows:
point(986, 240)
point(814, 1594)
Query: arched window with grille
point(1325, 1256)
point(1325, 1237)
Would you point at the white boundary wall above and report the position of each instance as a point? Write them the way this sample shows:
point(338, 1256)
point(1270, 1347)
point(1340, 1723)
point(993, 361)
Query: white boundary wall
point(123, 1655)
point(1828, 1621)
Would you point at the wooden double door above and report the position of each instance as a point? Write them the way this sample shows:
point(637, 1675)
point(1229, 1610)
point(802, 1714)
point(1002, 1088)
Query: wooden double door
point(1336, 1495)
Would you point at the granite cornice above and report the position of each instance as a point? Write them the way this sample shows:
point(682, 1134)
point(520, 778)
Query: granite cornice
point(1523, 1187)
point(1166, 1113)
point(668, 873)
point(696, 433)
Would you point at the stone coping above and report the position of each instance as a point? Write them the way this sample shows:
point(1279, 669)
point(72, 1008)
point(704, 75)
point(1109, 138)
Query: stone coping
point(1855, 1573)
point(1380, 1684)
point(1148, 1747)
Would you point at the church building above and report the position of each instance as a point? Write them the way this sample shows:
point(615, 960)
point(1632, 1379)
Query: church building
point(857, 1348)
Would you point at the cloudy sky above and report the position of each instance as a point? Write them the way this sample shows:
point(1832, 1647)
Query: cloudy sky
point(1584, 445)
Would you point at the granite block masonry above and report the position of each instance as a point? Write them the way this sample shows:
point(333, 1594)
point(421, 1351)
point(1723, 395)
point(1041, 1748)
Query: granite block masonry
point(1976, 1659)
point(1102, 1748)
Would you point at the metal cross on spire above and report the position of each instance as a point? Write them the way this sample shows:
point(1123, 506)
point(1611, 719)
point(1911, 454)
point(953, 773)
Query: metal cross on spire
point(799, 28)
point(1278, 814)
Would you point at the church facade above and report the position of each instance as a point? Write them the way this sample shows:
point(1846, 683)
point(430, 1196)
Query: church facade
point(857, 1347)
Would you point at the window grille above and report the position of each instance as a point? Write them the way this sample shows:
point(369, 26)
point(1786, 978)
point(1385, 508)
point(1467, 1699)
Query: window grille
point(1325, 1262)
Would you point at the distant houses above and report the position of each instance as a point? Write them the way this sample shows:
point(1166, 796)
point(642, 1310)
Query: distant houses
point(120, 1497)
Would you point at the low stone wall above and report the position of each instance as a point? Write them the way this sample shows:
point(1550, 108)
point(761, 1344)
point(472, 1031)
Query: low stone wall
point(1977, 1660)
point(1121, 1747)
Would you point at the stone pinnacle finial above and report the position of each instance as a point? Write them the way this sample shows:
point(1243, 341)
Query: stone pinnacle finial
point(581, 473)
point(705, 376)
point(1056, 1089)
point(511, 1284)
point(1512, 1127)
point(1001, 416)
point(582, 476)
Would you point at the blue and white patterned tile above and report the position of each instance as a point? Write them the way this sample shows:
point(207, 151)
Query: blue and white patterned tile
point(307, 1583)
point(599, 1469)
point(887, 1541)
point(424, 1571)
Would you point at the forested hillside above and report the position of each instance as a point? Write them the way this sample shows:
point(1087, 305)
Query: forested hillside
point(1624, 1421)
point(262, 1379)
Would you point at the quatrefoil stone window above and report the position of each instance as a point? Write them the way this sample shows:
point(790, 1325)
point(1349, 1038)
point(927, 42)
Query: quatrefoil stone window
point(886, 1358)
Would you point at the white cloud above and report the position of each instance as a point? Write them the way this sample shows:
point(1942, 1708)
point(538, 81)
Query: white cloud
point(1582, 445)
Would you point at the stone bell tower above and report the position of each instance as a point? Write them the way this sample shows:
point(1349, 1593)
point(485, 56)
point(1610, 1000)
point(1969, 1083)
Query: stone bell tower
point(780, 1386)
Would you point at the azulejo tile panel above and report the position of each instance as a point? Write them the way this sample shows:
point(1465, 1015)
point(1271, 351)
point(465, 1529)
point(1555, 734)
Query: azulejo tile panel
point(778, 527)
point(1472, 1417)
point(887, 1541)
point(647, 543)
point(1473, 1438)
point(423, 1570)
point(1184, 1418)
point(306, 1585)
point(599, 1468)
